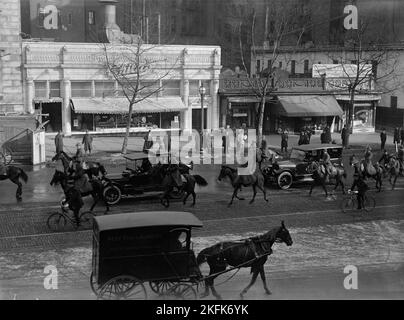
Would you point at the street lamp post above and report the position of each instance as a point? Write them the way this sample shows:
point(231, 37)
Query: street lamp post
point(202, 91)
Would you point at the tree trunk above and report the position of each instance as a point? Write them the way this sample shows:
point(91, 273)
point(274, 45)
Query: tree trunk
point(349, 125)
point(128, 125)
point(260, 122)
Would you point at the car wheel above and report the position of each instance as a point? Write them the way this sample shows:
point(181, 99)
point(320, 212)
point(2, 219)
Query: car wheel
point(112, 195)
point(285, 180)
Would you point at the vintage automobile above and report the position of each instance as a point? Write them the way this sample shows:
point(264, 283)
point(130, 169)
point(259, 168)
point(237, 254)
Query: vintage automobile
point(137, 179)
point(294, 170)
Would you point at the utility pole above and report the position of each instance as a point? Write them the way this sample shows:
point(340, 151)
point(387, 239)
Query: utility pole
point(144, 19)
point(159, 27)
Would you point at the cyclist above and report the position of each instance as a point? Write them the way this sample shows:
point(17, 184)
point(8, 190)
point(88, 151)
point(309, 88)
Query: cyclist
point(74, 202)
point(360, 183)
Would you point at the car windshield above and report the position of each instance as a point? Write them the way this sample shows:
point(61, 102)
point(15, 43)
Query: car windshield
point(297, 155)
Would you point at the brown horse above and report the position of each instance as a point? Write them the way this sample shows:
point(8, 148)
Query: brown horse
point(393, 170)
point(318, 172)
point(255, 180)
point(360, 169)
point(252, 252)
point(173, 180)
point(14, 174)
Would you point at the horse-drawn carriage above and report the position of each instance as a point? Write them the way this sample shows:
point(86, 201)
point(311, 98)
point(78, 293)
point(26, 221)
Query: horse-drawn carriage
point(139, 178)
point(155, 247)
point(135, 248)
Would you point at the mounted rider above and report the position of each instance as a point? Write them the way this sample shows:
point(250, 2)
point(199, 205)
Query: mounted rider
point(328, 167)
point(368, 167)
point(400, 157)
point(81, 180)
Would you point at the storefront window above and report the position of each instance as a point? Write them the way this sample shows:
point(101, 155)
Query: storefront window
point(81, 89)
point(363, 117)
point(194, 88)
point(40, 89)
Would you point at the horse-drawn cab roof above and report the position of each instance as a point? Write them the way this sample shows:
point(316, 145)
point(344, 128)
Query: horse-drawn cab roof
point(317, 146)
point(147, 219)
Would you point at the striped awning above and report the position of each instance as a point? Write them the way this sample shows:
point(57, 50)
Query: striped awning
point(121, 105)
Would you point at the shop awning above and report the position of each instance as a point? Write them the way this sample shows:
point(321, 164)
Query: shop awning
point(308, 106)
point(360, 97)
point(121, 105)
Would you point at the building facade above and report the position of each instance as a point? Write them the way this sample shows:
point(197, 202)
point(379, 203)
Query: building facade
point(11, 89)
point(69, 83)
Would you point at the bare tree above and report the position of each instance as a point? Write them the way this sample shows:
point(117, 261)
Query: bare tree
point(139, 72)
point(367, 66)
point(280, 25)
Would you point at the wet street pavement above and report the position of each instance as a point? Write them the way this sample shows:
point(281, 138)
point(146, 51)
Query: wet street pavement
point(325, 239)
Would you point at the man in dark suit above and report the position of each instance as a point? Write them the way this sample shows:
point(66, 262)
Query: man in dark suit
point(59, 142)
point(383, 138)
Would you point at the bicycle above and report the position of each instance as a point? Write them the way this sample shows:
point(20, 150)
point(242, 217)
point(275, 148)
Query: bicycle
point(350, 202)
point(57, 220)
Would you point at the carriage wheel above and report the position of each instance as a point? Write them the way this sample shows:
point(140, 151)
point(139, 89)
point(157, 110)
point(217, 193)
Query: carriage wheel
point(160, 287)
point(176, 193)
point(182, 291)
point(285, 180)
point(370, 204)
point(56, 222)
point(348, 205)
point(86, 220)
point(94, 285)
point(112, 195)
point(122, 288)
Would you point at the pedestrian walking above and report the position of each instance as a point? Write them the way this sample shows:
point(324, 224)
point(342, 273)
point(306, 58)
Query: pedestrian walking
point(327, 134)
point(402, 136)
point(383, 138)
point(87, 142)
point(284, 141)
point(301, 137)
point(59, 142)
point(396, 137)
point(362, 189)
point(79, 156)
point(148, 142)
point(344, 136)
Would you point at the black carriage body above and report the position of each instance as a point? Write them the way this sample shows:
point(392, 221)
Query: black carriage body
point(300, 158)
point(145, 245)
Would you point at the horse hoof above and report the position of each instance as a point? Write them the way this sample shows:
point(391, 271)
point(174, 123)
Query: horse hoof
point(268, 292)
point(241, 198)
point(203, 295)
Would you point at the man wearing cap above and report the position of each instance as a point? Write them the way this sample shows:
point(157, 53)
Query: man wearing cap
point(79, 153)
point(87, 142)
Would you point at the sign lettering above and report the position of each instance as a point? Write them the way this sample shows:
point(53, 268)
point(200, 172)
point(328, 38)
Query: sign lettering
point(51, 17)
point(351, 20)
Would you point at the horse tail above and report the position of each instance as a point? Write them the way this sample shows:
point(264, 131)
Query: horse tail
point(23, 175)
point(200, 180)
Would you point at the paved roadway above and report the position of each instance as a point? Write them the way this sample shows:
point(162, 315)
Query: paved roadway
point(325, 241)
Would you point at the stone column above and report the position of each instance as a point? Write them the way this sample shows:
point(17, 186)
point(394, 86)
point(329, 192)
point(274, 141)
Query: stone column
point(186, 115)
point(66, 112)
point(29, 96)
point(214, 88)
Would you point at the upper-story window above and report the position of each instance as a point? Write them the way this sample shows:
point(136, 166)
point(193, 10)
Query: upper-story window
point(293, 67)
point(54, 89)
point(40, 89)
point(70, 19)
point(258, 66)
point(81, 89)
point(171, 88)
point(104, 88)
point(91, 17)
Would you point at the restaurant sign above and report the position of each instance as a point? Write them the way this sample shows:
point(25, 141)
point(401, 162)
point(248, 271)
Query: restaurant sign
point(237, 85)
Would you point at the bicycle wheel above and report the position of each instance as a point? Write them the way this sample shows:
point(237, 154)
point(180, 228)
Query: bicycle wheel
point(370, 203)
point(348, 205)
point(56, 221)
point(86, 220)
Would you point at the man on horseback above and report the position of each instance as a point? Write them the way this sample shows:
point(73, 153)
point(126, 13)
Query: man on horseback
point(81, 180)
point(368, 166)
point(400, 157)
point(326, 161)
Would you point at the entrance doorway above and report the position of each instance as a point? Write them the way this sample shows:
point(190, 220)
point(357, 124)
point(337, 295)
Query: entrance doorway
point(52, 112)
